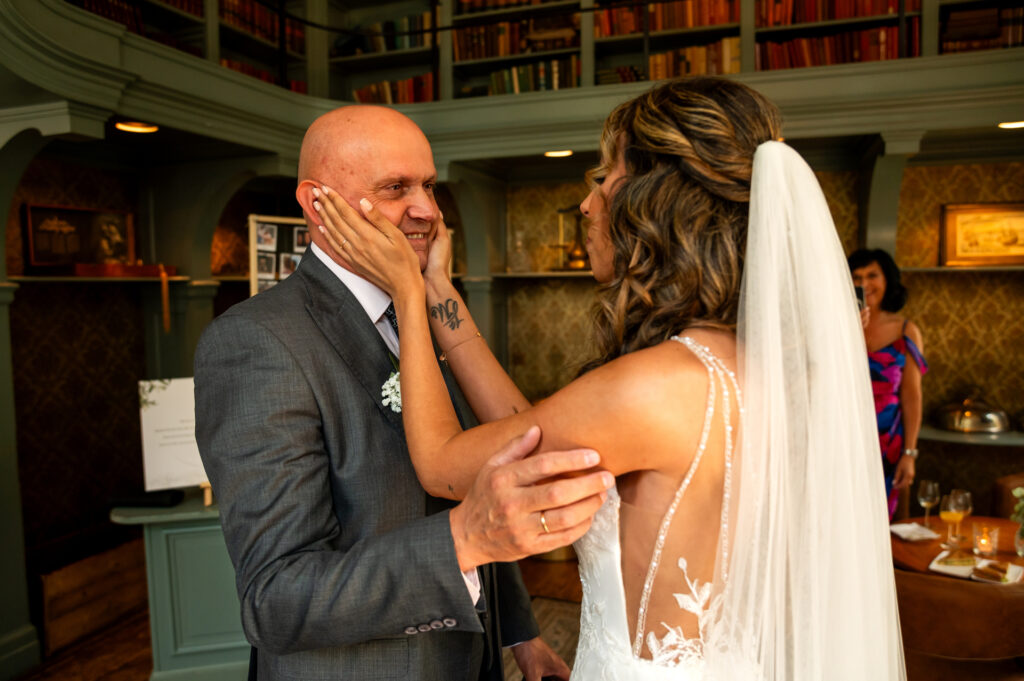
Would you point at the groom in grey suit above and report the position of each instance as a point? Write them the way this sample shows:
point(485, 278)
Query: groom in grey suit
point(345, 567)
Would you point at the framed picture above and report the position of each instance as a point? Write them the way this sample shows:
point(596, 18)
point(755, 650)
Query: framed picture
point(59, 236)
point(300, 241)
point(266, 236)
point(266, 265)
point(271, 238)
point(265, 285)
point(289, 261)
point(981, 234)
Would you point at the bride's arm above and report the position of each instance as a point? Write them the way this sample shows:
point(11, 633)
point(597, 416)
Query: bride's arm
point(618, 410)
point(489, 390)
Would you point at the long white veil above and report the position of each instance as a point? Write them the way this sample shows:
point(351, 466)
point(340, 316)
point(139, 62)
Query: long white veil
point(810, 592)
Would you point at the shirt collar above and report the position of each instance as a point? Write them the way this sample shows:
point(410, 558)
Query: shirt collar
point(372, 298)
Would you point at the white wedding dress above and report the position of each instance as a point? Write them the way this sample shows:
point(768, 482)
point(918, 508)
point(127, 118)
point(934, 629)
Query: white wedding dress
point(795, 580)
point(604, 651)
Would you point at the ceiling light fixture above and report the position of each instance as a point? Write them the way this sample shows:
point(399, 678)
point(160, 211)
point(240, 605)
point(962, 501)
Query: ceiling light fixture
point(558, 154)
point(1010, 125)
point(136, 126)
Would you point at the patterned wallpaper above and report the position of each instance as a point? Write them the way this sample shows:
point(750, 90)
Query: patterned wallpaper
point(926, 188)
point(549, 320)
point(77, 353)
point(840, 189)
point(62, 183)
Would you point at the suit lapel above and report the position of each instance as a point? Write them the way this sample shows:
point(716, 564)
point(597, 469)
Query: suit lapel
point(344, 324)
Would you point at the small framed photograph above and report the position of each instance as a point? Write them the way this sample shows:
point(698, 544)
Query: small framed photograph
point(58, 236)
point(266, 265)
point(289, 261)
point(266, 236)
point(301, 239)
point(265, 285)
point(982, 234)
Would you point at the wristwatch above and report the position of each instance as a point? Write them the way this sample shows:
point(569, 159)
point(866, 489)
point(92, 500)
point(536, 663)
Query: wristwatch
point(912, 453)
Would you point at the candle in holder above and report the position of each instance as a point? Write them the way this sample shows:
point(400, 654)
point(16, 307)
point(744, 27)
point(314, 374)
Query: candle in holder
point(986, 540)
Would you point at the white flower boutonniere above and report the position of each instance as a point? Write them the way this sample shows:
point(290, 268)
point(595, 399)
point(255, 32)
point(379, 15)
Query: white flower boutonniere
point(391, 391)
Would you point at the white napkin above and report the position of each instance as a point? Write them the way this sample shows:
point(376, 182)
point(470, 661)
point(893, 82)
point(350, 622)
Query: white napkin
point(913, 532)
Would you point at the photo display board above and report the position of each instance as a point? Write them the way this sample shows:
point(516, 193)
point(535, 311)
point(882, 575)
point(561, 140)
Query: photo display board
point(276, 245)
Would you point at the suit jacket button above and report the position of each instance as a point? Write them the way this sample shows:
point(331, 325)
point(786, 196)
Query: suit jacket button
point(411, 630)
point(436, 624)
point(424, 627)
point(449, 622)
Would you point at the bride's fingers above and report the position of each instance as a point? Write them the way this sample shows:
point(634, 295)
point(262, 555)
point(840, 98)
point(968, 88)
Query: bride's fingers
point(383, 225)
point(329, 208)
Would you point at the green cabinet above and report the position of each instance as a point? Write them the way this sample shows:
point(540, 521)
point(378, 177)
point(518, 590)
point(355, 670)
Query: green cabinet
point(193, 610)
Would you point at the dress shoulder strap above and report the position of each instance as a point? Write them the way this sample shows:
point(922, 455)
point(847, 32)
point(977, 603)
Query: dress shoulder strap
point(720, 378)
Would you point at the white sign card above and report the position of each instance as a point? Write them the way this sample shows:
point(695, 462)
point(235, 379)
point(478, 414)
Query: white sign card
point(170, 455)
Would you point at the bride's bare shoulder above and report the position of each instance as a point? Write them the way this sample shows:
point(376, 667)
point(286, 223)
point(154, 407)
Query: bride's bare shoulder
point(629, 408)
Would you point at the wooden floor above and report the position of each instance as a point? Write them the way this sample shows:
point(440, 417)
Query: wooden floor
point(118, 653)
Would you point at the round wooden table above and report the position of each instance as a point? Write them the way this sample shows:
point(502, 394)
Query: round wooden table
point(946, 616)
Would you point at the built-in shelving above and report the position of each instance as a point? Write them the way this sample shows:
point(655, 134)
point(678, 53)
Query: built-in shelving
point(1007, 439)
point(642, 53)
point(31, 279)
point(574, 274)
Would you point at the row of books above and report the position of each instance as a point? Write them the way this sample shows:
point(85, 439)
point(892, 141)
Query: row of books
point(984, 29)
point(787, 12)
point(385, 36)
point(471, 6)
point(506, 38)
point(121, 11)
point(555, 74)
point(874, 44)
point(253, 17)
point(194, 7)
point(665, 16)
point(408, 91)
point(619, 74)
point(719, 58)
point(266, 76)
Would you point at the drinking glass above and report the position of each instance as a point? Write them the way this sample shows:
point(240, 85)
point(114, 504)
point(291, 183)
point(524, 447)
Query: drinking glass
point(954, 508)
point(927, 496)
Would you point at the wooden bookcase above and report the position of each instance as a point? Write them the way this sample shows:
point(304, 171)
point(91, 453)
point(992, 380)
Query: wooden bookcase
point(410, 51)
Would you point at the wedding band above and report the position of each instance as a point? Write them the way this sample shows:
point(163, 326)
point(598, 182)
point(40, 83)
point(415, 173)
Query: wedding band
point(345, 241)
point(544, 523)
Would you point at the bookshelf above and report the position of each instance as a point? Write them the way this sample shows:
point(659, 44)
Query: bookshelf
point(388, 55)
point(411, 51)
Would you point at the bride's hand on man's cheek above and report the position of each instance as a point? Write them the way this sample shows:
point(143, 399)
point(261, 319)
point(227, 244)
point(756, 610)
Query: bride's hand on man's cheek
point(371, 246)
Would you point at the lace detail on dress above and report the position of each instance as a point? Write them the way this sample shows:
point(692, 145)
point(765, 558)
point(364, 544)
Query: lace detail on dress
point(604, 652)
point(673, 648)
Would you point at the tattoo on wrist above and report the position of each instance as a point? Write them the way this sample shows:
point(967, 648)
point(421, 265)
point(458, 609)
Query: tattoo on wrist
point(448, 313)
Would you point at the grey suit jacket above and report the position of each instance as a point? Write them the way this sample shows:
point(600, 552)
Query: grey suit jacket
point(345, 567)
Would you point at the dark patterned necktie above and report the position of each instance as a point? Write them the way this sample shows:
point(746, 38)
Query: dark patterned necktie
point(392, 317)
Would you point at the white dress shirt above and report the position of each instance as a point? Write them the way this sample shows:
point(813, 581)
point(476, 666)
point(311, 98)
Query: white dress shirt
point(375, 301)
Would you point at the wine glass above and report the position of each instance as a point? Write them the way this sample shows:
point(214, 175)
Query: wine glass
point(927, 496)
point(953, 508)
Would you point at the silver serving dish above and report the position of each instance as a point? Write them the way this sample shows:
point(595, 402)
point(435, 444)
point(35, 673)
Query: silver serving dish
point(972, 416)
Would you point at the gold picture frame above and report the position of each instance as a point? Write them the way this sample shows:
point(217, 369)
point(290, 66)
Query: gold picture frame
point(982, 235)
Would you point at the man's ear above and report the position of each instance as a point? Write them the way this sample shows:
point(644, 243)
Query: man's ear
point(304, 195)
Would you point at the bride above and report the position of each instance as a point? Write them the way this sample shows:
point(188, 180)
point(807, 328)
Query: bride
point(746, 537)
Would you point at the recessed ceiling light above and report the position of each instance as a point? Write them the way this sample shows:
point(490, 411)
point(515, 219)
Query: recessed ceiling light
point(558, 154)
point(136, 126)
point(1009, 125)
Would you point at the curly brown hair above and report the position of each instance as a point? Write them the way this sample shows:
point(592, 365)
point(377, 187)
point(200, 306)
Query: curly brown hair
point(678, 219)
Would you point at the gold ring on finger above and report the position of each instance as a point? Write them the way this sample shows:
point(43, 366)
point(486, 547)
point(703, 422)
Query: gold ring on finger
point(344, 243)
point(544, 523)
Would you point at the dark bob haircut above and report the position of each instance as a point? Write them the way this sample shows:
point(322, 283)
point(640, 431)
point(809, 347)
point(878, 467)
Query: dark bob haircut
point(895, 292)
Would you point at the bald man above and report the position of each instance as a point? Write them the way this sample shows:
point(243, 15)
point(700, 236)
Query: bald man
point(345, 567)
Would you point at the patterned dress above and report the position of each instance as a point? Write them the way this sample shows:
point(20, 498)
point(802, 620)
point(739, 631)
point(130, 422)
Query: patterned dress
point(887, 365)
